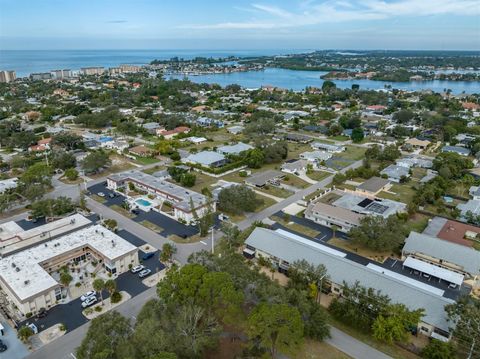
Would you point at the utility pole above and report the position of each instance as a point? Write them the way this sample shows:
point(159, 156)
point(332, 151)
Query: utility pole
point(213, 244)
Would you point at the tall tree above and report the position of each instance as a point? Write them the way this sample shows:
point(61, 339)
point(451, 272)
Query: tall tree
point(106, 336)
point(275, 327)
point(465, 319)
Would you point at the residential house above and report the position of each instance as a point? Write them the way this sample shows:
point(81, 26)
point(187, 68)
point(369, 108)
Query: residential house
point(295, 167)
point(462, 151)
point(151, 127)
point(206, 159)
point(396, 173)
point(418, 143)
point(141, 151)
point(234, 149)
point(328, 147)
point(169, 134)
point(373, 186)
point(299, 138)
point(261, 179)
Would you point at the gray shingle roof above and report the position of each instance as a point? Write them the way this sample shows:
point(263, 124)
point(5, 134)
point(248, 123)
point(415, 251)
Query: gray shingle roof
point(341, 270)
point(465, 257)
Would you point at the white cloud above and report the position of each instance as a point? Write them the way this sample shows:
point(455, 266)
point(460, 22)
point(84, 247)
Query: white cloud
point(336, 11)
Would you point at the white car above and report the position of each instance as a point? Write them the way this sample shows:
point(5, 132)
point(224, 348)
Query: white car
point(101, 194)
point(89, 301)
point(33, 327)
point(137, 269)
point(88, 295)
point(144, 273)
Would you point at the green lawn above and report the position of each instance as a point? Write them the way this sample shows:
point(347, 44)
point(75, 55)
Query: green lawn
point(318, 175)
point(404, 193)
point(98, 198)
point(339, 138)
point(295, 181)
point(146, 160)
point(151, 226)
point(353, 153)
point(275, 191)
point(122, 211)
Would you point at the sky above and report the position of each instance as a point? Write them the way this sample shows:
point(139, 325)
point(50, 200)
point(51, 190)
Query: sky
point(240, 24)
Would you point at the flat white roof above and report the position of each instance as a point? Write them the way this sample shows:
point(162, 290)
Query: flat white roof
point(311, 243)
point(24, 275)
point(8, 183)
point(433, 270)
point(13, 238)
point(406, 279)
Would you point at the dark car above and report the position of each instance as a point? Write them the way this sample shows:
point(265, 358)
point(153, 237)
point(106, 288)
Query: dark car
point(3, 346)
point(135, 211)
point(148, 255)
point(42, 313)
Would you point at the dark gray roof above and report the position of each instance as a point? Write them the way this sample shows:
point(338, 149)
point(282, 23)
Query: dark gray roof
point(374, 184)
point(261, 178)
point(341, 270)
point(465, 257)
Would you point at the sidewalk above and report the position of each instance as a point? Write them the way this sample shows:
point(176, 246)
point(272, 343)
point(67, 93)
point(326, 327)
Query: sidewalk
point(353, 347)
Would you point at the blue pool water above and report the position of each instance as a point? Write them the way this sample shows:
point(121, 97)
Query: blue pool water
point(143, 202)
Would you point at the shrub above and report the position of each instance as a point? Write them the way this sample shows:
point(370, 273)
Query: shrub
point(63, 327)
point(28, 315)
point(116, 297)
point(98, 308)
point(78, 284)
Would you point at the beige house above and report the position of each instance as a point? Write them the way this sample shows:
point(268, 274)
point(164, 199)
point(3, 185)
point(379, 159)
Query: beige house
point(26, 276)
point(416, 143)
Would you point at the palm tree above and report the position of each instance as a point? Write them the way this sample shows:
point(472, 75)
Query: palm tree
point(168, 250)
point(99, 285)
point(111, 286)
point(65, 279)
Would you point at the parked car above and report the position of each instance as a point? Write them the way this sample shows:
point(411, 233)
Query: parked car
point(137, 269)
point(87, 295)
point(89, 301)
point(42, 312)
point(148, 255)
point(135, 211)
point(111, 195)
point(101, 194)
point(33, 327)
point(3, 346)
point(144, 273)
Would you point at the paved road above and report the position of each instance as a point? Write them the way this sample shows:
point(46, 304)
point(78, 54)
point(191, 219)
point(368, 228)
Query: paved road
point(267, 212)
point(353, 347)
point(149, 236)
point(63, 347)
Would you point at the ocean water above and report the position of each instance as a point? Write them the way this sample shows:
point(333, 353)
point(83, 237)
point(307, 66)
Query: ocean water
point(298, 80)
point(25, 62)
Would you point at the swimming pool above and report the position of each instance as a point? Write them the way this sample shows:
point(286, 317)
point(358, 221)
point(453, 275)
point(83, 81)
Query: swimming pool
point(143, 202)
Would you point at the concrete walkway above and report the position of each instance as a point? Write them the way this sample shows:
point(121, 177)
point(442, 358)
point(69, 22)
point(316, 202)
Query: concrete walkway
point(353, 347)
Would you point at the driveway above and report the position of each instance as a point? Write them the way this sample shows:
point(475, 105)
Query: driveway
point(16, 349)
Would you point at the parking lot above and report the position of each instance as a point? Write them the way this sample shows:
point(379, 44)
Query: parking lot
point(169, 226)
